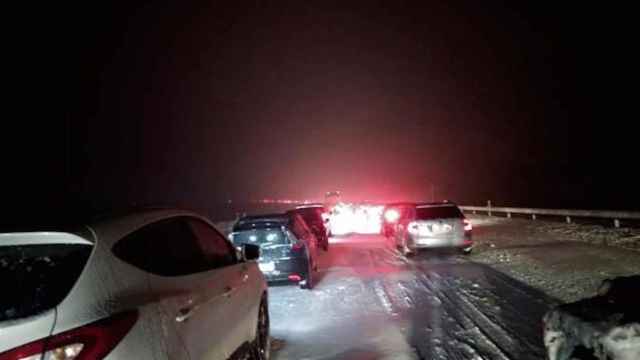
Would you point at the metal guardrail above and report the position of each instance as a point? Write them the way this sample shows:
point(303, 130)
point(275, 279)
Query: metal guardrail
point(616, 216)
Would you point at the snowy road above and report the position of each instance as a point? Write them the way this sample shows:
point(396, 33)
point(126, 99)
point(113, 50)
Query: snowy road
point(372, 303)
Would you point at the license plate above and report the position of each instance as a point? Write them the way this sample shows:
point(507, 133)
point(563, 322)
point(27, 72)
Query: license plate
point(266, 267)
point(441, 228)
point(431, 242)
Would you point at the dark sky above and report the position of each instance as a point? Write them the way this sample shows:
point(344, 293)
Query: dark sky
point(169, 103)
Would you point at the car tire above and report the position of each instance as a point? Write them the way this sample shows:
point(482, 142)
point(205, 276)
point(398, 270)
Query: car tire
point(307, 283)
point(261, 346)
point(466, 251)
point(404, 249)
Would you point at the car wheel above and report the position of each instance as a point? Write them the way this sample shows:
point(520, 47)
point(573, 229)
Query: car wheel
point(404, 249)
point(261, 349)
point(307, 283)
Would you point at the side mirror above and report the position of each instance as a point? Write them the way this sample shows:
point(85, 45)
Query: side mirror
point(250, 252)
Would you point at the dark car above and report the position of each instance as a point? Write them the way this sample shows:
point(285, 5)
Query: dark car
point(287, 246)
point(392, 214)
point(312, 215)
point(433, 225)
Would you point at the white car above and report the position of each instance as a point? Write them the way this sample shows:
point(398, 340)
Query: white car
point(158, 284)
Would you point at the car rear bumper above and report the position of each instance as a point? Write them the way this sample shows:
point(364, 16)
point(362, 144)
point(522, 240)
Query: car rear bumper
point(426, 243)
point(284, 268)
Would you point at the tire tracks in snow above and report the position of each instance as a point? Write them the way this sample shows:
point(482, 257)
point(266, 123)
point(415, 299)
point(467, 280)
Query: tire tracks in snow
point(474, 321)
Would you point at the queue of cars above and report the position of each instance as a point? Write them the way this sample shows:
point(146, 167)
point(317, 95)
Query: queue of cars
point(149, 284)
point(290, 241)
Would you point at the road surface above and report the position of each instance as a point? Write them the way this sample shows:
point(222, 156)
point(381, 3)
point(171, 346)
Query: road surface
point(370, 302)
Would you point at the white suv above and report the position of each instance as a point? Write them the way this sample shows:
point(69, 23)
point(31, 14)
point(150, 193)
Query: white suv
point(159, 284)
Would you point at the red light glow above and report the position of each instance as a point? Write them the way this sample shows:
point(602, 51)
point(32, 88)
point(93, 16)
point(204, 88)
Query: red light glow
point(391, 215)
point(467, 225)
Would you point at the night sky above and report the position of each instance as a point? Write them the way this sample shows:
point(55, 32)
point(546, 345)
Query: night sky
point(191, 105)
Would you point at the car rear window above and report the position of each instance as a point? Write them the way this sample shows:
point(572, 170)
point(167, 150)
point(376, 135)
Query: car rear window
point(311, 216)
point(438, 212)
point(260, 237)
point(259, 224)
point(36, 278)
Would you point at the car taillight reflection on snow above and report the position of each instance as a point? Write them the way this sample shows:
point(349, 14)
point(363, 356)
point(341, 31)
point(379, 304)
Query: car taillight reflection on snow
point(92, 341)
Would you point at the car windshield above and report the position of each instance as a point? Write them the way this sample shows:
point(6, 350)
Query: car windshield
point(438, 212)
point(262, 237)
point(259, 224)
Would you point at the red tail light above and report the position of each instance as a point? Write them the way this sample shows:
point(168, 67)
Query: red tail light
point(294, 277)
point(467, 225)
point(295, 246)
point(89, 342)
point(391, 215)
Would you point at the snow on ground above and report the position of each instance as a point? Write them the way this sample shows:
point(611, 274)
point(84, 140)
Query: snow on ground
point(372, 303)
point(566, 261)
point(627, 238)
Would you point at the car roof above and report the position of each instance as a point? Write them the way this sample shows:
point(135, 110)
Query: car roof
point(111, 228)
point(106, 226)
point(435, 204)
point(421, 204)
point(306, 206)
point(279, 217)
point(406, 203)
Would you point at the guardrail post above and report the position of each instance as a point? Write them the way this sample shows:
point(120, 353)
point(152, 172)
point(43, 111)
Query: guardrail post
point(568, 219)
point(489, 206)
point(474, 212)
point(509, 215)
point(616, 223)
point(533, 216)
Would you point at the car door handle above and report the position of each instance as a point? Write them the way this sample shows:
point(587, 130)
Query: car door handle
point(228, 290)
point(184, 314)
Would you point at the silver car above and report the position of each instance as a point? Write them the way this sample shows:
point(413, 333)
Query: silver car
point(433, 225)
point(159, 284)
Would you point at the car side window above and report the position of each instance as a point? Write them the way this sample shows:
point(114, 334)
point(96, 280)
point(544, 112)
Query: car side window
point(166, 248)
point(218, 251)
